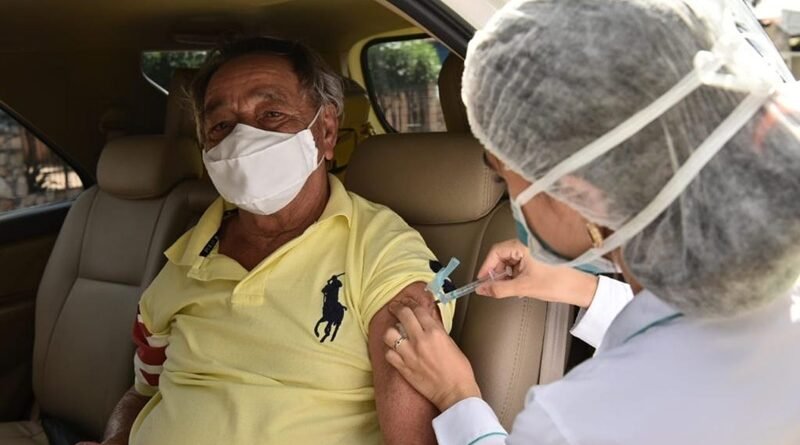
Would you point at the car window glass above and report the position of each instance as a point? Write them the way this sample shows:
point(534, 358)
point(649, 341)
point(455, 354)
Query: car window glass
point(31, 174)
point(402, 80)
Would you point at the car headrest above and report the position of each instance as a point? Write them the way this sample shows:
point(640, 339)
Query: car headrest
point(146, 167)
point(356, 106)
point(427, 178)
point(453, 109)
point(115, 122)
point(179, 119)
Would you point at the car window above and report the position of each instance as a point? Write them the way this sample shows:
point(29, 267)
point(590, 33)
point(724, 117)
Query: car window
point(31, 174)
point(158, 66)
point(401, 77)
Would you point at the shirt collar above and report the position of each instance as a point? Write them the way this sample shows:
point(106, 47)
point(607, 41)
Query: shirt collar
point(644, 312)
point(339, 203)
point(188, 247)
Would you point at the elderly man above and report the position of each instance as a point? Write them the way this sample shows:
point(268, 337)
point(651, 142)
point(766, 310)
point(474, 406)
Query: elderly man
point(265, 326)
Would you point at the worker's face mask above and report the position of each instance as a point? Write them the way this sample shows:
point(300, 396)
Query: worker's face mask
point(541, 251)
point(262, 171)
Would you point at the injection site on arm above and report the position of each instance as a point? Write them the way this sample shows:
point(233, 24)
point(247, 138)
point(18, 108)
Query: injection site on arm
point(436, 285)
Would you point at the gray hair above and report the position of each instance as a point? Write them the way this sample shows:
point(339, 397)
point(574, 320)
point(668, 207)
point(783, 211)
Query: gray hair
point(546, 78)
point(324, 86)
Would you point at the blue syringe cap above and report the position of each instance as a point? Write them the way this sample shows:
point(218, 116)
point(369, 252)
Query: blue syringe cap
point(436, 285)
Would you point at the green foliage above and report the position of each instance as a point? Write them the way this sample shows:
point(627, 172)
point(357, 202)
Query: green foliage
point(402, 65)
point(159, 65)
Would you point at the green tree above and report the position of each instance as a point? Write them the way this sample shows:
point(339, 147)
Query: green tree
point(402, 65)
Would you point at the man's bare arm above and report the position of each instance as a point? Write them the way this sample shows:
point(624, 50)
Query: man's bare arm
point(119, 424)
point(405, 416)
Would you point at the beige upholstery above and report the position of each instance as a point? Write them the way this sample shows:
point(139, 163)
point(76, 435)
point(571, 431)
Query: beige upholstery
point(145, 167)
point(22, 433)
point(354, 125)
point(447, 181)
point(439, 184)
point(455, 114)
point(108, 251)
point(543, 360)
point(356, 107)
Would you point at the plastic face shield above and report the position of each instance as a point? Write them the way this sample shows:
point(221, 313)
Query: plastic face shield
point(739, 61)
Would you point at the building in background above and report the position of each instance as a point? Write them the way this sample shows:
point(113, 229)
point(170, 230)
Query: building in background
point(781, 20)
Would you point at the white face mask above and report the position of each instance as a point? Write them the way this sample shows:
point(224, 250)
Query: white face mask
point(262, 171)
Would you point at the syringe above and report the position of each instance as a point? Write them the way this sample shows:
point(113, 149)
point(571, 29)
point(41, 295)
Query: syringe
point(470, 288)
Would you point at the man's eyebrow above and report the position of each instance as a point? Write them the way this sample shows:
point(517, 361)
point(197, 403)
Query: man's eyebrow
point(268, 94)
point(211, 107)
point(261, 93)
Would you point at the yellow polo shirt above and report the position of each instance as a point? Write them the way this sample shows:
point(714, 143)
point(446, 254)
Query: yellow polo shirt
point(277, 355)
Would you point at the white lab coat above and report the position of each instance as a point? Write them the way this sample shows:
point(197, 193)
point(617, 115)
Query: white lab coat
point(662, 378)
point(609, 299)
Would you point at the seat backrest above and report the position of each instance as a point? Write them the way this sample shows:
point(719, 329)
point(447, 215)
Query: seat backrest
point(354, 125)
point(179, 124)
point(453, 110)
point(440, 185)
point(109, 249)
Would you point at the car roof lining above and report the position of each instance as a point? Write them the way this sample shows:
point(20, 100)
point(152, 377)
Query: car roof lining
point(155, 24)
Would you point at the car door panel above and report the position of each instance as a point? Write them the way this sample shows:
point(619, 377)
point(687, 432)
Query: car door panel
point(26, 239)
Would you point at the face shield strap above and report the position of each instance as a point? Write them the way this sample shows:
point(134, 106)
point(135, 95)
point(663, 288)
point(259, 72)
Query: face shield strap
point(621, 133)
point(682, 178)
point(730, 53)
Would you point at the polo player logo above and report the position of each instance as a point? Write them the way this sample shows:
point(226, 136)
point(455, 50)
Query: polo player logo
point(332, 310)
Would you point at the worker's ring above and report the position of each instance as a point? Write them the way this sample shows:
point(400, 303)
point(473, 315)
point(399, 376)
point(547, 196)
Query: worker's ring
point(399, 341)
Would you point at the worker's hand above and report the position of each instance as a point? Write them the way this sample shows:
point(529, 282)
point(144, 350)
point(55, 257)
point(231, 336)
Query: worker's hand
point(428, 358)
point(534, 279)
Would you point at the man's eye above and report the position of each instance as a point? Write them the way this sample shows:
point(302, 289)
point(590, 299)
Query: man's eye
point(222, 126)
point(271, 115)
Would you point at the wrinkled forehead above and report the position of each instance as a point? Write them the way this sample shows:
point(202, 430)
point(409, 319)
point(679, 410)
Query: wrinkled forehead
point(264, 75)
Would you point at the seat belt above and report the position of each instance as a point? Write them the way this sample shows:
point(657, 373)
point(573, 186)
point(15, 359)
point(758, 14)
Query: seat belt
point(554, 347)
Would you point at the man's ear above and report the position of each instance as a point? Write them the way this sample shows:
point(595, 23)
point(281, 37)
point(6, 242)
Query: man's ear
point(330, 131)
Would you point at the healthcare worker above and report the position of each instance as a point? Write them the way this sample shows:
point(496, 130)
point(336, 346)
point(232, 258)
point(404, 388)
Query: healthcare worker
point(666, 124)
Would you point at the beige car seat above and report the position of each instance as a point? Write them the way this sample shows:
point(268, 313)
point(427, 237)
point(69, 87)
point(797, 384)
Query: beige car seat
point(354, 126)
point(107, 252)
point(557, 340)
point(440, 185)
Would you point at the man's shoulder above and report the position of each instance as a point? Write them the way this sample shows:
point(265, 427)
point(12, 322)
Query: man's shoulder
point(368, 213)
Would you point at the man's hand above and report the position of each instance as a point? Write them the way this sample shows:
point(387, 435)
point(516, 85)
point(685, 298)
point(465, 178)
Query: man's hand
point(404, 415)
point(121, 420)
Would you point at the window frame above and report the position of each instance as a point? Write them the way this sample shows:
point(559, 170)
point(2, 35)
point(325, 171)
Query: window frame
point(373, 98)
point(87, 180)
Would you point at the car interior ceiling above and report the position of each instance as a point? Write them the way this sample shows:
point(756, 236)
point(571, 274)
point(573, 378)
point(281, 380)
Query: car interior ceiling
point(72, 61)
point(75, 61)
